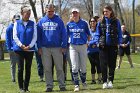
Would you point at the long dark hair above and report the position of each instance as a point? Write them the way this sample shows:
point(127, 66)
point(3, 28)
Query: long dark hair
point(95, 19)
point(108, 7)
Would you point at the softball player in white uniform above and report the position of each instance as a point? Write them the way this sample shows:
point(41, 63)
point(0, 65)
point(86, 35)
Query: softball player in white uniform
point(78, 32)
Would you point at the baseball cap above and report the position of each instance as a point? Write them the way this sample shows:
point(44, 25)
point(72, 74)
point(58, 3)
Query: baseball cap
point(75, 10)
point(17, 17)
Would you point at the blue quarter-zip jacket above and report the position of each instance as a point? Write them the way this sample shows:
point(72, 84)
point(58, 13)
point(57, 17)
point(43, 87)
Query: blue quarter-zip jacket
point(9, 37)
point(51, 32)
point(24, 34)
point(108, 40)
point(93, 41)
point(78, 32)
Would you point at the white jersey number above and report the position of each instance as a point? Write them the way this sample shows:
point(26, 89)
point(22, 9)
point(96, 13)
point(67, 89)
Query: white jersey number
point(76, 35)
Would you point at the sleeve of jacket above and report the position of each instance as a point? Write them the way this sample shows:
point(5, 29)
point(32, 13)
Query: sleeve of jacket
point(15, 37)
point(97, 35)
point(64, 34)
point(8, 37)
point(34, 39)
point(87, 29)
point(39, 34)
point(129, 38)
point(119, 33)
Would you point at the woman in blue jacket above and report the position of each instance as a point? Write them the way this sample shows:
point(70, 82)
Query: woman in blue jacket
point(25, 36)
point(110, 36)
point(93, 51)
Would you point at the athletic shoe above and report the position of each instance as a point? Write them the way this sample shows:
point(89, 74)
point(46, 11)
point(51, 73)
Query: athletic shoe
point(84, 85)
point(63, 89)
point(132, 66)
point(118, 67)
point(48, 90)
point(99, 81)
point(76, 89)
point(21, 91)
point(110, 85)
point(105, 85)
point(93, 82)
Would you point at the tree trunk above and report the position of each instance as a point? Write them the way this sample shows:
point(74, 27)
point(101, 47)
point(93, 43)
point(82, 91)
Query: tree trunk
point(42, 7)
point(115, 6)
point(34, 9)
point(122, 20)
point(133, 28)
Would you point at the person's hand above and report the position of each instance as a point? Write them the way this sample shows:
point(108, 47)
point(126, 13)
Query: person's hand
point(93, 46)
point(22, 46)
point(26, 48)
point(123, 45)
point(63, 50)
point(40, 51)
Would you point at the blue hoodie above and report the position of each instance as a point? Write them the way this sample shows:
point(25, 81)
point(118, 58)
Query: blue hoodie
point(51, 32)
point(78, 32)
point(93, 41)
point(9, 37)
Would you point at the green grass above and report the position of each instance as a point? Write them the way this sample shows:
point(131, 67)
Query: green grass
point(126, 80)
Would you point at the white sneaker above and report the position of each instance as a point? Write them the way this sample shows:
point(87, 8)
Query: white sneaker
point(76, 89)
point(105, 85)
point(84, 85)
point(118, 67)
point(110, 85)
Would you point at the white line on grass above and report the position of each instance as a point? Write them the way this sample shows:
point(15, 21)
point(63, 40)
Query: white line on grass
point(133, 63)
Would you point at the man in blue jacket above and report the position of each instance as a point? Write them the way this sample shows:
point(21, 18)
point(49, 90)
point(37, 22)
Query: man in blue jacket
point(9, 45)
point(52, 42)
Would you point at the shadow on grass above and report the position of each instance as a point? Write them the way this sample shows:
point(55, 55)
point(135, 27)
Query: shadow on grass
point(124, 78)
point(125, 86)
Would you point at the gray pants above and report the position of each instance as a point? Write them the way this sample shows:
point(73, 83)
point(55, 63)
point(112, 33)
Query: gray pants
point(47, 54)
point(14, 60)
point(78, 56)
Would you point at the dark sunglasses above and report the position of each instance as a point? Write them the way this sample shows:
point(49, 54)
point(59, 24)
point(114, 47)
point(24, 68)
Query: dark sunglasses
point(92, 21)
point(50, 11)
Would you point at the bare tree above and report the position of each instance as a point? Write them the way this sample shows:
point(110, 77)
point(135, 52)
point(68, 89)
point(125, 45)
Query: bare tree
point(89, 7)
point(133, 31)
point(32, 3)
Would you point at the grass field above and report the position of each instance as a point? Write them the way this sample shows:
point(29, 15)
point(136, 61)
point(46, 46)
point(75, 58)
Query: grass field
point(127, 80)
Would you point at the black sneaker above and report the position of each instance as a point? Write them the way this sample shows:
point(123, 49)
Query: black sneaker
point(63, 89)
point(48, 90)
point(93, 82)
point(99, 81)
point(26, 90)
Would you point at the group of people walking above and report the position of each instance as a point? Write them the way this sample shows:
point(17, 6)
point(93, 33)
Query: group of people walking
point(98, 41)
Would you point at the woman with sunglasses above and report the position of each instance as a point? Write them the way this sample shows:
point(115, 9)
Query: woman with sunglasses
point(93, 51)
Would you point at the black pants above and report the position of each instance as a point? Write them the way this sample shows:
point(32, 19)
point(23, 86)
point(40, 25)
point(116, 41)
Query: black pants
point(27, 56)
point(108, 56)
point(94, 61)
